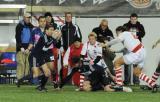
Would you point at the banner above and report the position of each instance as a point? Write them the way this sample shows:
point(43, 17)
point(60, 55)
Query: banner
point(98, 7)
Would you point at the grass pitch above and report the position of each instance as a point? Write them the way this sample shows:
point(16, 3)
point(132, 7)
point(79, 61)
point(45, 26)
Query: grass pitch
point(10, 93)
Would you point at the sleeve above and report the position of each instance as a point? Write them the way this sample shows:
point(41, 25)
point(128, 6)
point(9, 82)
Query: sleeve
point(78, 32)
point(58, 44)
point(99, 51)
point(98, 58)
point(110, 35)
point(114, 41)
point(84, 49)
point(66, 57)
point(31, 41)
point(18, 35)
point(94, 30)
point(40, 44)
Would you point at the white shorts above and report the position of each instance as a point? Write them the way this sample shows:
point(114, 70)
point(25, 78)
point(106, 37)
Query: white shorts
point(135, 58)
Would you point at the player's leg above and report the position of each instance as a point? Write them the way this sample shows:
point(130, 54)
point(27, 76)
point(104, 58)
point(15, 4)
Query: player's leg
point(156, 74)
point(45, 77)
point(50, 63)
point(35, 69)
point(137, 71)
point(118, 70)
point(65, 80)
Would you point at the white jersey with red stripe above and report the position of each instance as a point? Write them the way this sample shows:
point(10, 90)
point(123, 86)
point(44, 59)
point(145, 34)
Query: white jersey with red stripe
point(129, 40)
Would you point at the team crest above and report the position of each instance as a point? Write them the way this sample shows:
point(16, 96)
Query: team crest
point(140, 3)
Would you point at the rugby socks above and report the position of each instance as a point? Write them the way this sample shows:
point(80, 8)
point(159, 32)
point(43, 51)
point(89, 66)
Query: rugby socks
point(118, 73)
point(81, 82)
point(44, 81)
point(155, 76)
point(145, 78)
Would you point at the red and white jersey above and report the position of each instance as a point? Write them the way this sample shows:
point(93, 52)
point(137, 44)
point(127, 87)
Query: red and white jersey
point(129, 40)
point(92, 51)
point(71, 52)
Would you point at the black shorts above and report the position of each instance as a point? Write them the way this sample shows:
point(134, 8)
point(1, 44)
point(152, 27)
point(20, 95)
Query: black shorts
point(98, 79)
point(44, 57)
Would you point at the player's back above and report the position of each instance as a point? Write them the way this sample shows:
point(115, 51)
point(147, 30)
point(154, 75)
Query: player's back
point(130, 40)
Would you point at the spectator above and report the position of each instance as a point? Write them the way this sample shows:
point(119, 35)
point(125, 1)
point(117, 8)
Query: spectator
point(23, 36)
point(103, 32)
point(69, 31)
point(135, 26)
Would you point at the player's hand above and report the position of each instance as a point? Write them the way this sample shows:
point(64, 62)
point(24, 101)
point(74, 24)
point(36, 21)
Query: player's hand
point(91, 62)
point(56, 34)
point(102, 45)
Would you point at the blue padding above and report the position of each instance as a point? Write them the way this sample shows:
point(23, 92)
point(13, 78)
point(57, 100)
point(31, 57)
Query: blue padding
point(10, 55)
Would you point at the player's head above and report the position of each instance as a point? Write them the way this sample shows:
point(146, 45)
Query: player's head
point(120, 29)
point(77, 42)
point(87, 86)
point(92, 38)
point(49, 30)
point(42, 21)
point(133, 18)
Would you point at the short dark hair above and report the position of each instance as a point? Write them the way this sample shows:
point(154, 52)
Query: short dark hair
point(77, 39)
point(120, 28)
point(48, 14)
point(68, 13)
point(133, 15)
point(40, 17)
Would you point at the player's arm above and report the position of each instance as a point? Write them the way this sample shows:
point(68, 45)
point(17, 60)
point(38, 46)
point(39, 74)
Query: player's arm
point(84, 51)
point(157, 42)
point(113, 42)
point(99, 55)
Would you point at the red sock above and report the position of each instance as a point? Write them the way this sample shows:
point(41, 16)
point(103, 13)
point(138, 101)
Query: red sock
point(146, 79)
point(118, 73)
point(155, 76)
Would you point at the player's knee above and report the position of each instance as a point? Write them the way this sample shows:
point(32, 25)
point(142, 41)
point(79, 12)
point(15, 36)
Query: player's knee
point(35, 72)
point(117, 64)
point(137, 72)
point(47, 72)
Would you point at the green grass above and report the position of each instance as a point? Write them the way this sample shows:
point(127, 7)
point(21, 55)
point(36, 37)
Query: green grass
point(10, 93)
